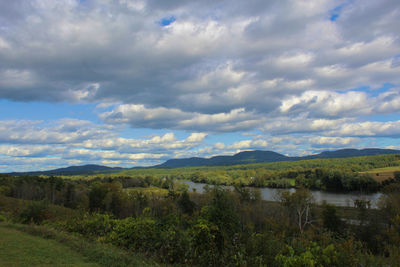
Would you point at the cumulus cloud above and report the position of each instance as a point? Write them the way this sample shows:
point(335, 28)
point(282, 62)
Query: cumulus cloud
point(65, 131)
point(325, 104)
point(328, 104)
point(159, 118)
point(83, 141)
point(316, 71)
point(117, 51)
point(368, 128)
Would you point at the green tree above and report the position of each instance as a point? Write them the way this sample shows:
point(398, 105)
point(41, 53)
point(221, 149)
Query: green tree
point(185, 204)
point(36, 212)
point(299, 205)
point(331, 220)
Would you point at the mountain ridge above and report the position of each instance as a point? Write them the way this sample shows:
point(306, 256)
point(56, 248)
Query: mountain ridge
point(262, 156)
point(244, 157)
point(71, 170)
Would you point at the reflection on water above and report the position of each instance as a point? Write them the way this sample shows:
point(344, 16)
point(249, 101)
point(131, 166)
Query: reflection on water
point(338, 199)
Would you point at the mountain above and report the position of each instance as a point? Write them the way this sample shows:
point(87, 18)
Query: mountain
point(72, 170)
point(258, 156)
point(348, 153)
point(245, 157)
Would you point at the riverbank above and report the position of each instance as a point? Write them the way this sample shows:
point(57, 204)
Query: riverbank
point(270, 194)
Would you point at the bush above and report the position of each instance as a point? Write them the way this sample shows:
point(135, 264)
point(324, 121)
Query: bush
point(95, 225)
point(5, 190)
point(36, 212)
point(174, 245)
point(3, 218)
point(140, 234)
point(330, 219)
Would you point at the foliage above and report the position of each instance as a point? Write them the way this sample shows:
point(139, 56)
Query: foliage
point(312, 256)
point(298, 204)
point(348, 174)
point(36, 213)
point(331, 220)
point(95, 252)
point(219, 227)
point(141, 234)
point(185, 204)
point(94, 225)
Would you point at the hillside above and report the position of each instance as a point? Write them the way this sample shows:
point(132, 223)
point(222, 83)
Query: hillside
point(258, 156)
point(72, 170)
point(348, 153)
point(21, 249)
point(245, 157)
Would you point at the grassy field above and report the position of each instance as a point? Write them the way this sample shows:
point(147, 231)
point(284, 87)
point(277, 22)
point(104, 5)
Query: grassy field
point(148, 190)
point(382, 174)
point(30, 245)
point(21, 249)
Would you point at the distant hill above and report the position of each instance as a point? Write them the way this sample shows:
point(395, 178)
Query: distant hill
point(72, 170)
point(348, 153)
point(245, 157)
point(258, 156)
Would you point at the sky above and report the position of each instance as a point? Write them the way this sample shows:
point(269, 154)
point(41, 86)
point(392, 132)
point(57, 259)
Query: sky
point(134, 83)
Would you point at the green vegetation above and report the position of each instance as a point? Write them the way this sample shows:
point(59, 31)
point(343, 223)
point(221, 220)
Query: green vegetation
point(110, 224)
point(385, 175)
point(111, 220)
point(340, 175)
point(150, 191)
point(21, 249)
point(386, 169)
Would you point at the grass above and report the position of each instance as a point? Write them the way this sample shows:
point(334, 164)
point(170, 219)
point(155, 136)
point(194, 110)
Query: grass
point(387, 169)
point(21, 249)
point(156, 191)
point(21, 236)
point(80, 251)
point(382, 174)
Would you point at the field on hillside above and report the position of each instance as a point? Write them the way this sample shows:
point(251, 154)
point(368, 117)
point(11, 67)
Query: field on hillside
point(383, 174)
point(148, 191)
point(21, 249)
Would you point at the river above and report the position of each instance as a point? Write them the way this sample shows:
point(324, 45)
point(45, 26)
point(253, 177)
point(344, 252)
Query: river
point(337, 199)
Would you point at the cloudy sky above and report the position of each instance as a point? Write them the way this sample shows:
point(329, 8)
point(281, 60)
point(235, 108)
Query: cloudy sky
point(134, 83)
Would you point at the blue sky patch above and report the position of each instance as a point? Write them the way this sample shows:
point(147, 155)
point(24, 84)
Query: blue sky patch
point(11, 110)
point(167, 21)
point(335, 13)
point(334, 17)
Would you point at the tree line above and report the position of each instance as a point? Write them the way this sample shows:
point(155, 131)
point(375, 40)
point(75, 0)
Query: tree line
point(220, 227)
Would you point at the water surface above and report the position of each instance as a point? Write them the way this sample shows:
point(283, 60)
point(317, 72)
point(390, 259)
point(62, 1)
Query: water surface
point(338, 199)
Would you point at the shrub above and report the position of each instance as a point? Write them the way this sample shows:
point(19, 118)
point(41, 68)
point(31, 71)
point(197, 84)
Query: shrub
point(139, 234)
point(94, 225)
point(3, 218)
point(36, 212)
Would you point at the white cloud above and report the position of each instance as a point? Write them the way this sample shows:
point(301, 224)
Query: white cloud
point(297, 60)
point(71, 139)
point(349, 104)
point(282, 68)
point(329, 104)
point(158, 118)
point(369, 128)
point(116, 51)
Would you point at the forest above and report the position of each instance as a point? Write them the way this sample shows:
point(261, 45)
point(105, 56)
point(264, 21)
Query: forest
point(336, 175)
point(149, 214)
